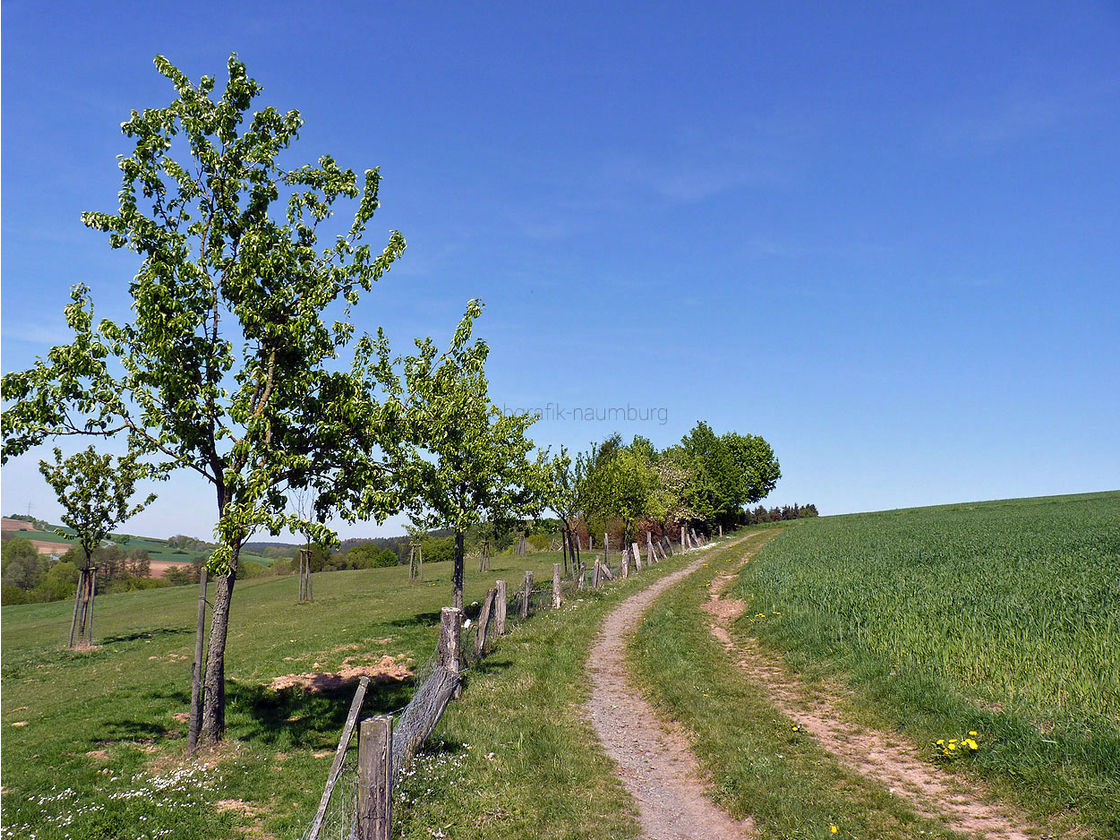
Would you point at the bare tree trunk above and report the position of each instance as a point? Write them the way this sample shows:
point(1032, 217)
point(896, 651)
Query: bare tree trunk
point(195, 725)
point(457, 597)
point(214, 682)
point(576, 558)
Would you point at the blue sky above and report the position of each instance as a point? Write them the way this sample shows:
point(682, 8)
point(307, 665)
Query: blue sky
point(885, 237)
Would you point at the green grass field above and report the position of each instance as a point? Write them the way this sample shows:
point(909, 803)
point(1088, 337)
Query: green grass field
point(1002, 617)
point(92, 747)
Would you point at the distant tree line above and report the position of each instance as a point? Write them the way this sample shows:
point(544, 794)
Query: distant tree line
point(30, 577)
point(760, 515)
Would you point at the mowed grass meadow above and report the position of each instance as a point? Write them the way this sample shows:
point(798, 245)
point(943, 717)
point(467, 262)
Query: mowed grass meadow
point(93, 743)
point(1001, 617)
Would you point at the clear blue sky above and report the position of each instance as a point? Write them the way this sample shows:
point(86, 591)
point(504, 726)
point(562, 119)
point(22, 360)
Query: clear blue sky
point(886, 237)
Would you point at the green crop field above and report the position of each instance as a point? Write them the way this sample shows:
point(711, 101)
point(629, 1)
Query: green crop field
point(1002, 617)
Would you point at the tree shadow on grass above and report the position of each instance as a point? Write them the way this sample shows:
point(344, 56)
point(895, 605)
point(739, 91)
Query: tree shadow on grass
point(146, 635)
point(144, 731)
point(295, 718)
point(424, 619)
point(491, 663)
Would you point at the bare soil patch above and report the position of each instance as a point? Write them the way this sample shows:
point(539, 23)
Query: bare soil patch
point(385, 669)
point(884, 756)
point(653, 757)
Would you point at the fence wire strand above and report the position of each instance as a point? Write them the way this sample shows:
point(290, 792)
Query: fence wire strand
point(341, 815)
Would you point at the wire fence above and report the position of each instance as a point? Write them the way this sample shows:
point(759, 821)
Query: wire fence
point(341, 817)
point(342, 810)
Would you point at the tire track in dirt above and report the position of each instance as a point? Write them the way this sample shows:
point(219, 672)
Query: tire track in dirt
point(883, 756)
point(653, 758)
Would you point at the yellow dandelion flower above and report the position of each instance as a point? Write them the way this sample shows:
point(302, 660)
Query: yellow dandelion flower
point(973, 733)
point(940, 742)
point(972, 745)
point(834, 829)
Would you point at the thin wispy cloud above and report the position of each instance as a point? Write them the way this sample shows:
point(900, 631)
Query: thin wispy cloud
point(987, 126)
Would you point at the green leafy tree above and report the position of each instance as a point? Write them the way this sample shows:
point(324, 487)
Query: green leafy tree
point(369, 556)
point(228, 366)
point(732, 470)
point(467, 462)
point(565, 495)
point(23, 566)
point(756, 464)
point(621, 483)
point(60, 582)
point(95, 492)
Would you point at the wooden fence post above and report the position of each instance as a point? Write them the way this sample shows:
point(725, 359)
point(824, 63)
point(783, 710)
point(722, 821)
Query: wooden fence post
point(721, 532)
point(597, 574)
point(500, 608)
point(375, 750)
point(526, 591)
point(637, 556)
point(555, 586)
point(625, 565)
point(484, 621)
point(582, 573)
point(450, 638)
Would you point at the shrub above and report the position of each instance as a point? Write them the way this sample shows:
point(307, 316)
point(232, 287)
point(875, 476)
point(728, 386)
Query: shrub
point(247, 569)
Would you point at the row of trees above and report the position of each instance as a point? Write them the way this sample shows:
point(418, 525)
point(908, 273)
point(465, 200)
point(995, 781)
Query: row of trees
point(704, 481)
point(31, 577)
point(241, 365)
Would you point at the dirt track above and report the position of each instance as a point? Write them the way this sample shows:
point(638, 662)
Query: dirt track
point(882, 756)
point(659, 770)
point(654, 760)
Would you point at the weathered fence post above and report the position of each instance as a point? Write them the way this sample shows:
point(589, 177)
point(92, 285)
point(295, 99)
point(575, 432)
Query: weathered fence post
point(484, 621)
point(590, 541)
point(375, 751)
point(582, 573)
point(637, 556)
point(625, 565)
point(606, 544)
point(500, 608)
point(526, 591)
point(721, 532)
point(555, 586)
point(450, 639)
